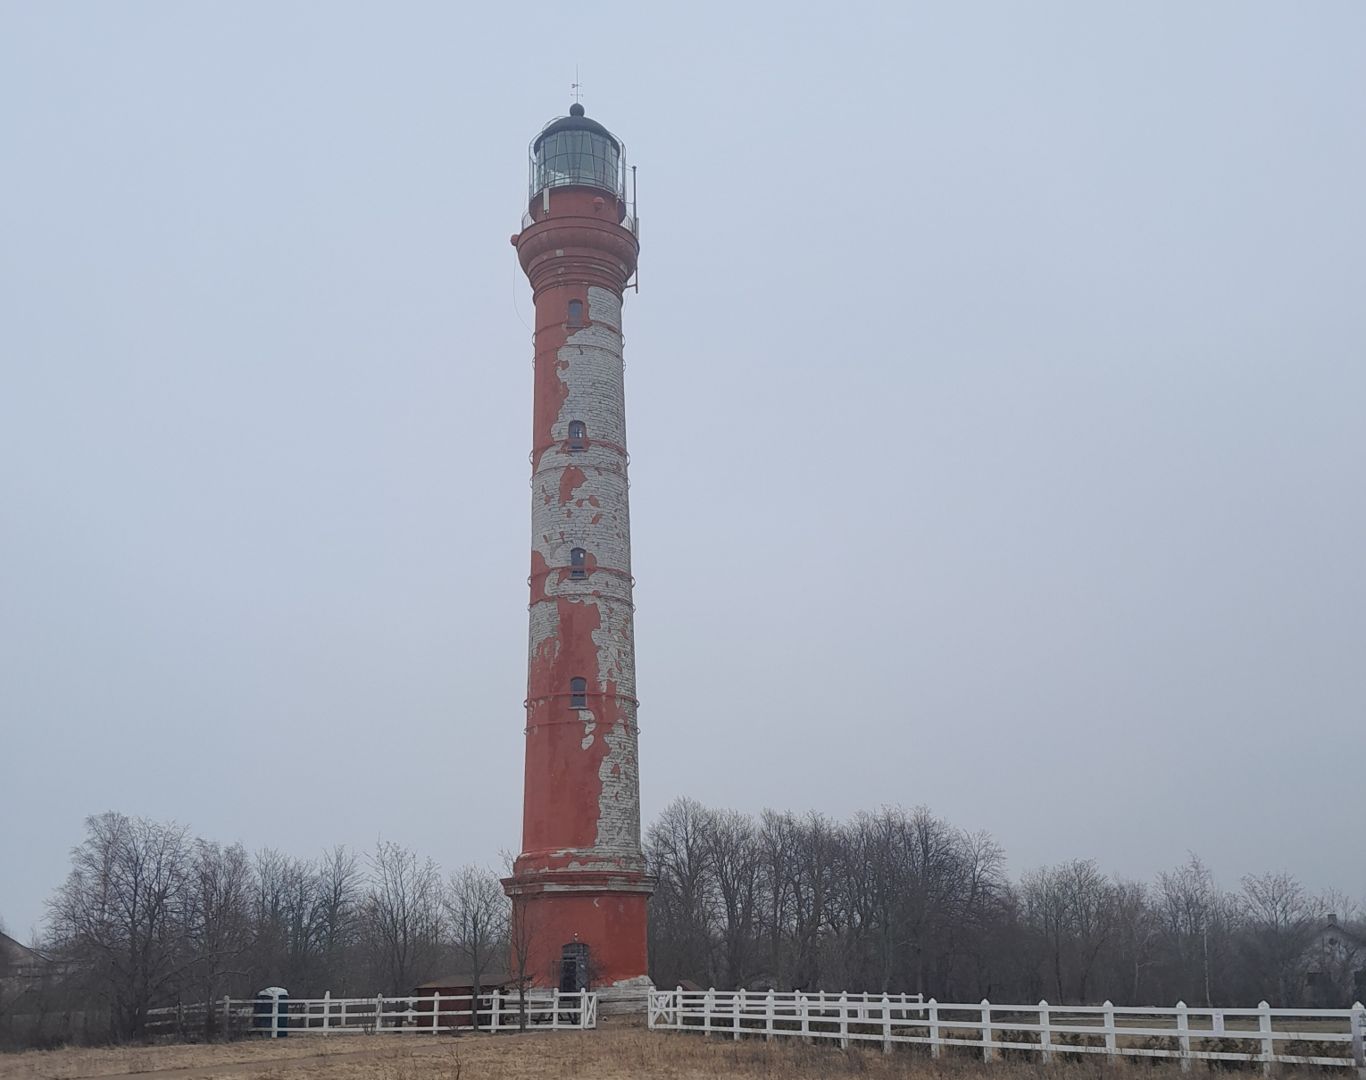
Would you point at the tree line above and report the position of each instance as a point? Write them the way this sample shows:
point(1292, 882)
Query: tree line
point(890, 901)
point(902, 901)
point(150, 916)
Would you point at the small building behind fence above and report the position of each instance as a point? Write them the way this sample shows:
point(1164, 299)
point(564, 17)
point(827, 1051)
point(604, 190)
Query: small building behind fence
point(452, 994)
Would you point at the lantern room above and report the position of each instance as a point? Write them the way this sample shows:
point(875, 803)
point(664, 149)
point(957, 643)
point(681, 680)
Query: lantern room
point(574, 151)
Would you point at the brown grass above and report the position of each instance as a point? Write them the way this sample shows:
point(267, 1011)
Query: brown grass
point(71, 1062)
point(618, 1051)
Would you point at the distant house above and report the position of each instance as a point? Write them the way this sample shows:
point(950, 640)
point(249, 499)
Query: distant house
point(1335, 966)
point(23, 971)
point(19, 963)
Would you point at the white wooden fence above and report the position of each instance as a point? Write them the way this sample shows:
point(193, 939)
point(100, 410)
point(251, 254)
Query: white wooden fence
point(1266, 1036)
point(408, 1015)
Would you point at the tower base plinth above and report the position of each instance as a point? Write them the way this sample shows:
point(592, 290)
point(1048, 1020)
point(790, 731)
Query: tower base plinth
point(604, 910)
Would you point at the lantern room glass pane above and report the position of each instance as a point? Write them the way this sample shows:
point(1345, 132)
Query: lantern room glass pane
point(584, 158)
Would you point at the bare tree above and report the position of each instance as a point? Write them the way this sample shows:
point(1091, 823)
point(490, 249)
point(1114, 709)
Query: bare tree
point(1136, 934)
point(524, 939)
point(403, 912)
point(934, 887)
point(677, 851)
point(732, 852)
point(981, 910)
point(1072, 907)
point(1090, 900)
point(1045, 906)
point(1189, 910)
point(302, 922)
point(120, 913)
point(1281, 920)
point(289, 915)
point(340, 888)
point(478, 913)
point(814, 890)
point(779, 841)
point(218, 917)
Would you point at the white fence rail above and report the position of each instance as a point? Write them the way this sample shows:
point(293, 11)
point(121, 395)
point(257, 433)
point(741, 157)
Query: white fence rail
point(408, 1015)
point(1265, 1036)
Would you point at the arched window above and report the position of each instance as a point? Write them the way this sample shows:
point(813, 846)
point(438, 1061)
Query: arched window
point(576, 313)
point(578, 434)
point(578, 563)
point(578, 693)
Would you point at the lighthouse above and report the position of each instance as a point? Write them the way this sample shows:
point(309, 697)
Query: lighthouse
point(579, 887)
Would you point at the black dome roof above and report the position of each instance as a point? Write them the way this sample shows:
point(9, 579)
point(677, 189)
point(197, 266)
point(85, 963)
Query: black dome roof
point(575, 121)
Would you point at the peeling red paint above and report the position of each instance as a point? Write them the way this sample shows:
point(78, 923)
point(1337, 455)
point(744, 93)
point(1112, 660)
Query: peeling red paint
point(564, 811)
point(539, 569)
point(570, 481)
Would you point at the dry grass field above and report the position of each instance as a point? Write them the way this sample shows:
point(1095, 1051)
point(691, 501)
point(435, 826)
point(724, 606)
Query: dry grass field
point(72, 1062)
point(618, 1051)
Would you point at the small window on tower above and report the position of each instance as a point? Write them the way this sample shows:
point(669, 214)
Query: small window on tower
point(578, 434)
point(578, 563)
point(578, 693)
point(576, 313)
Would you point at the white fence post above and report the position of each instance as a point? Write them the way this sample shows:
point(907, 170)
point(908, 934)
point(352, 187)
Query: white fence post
point(844, 1021)
point(1359, 1039)
point(768, 1016)
point(274, 1018)
point(934, 1028)
point(495, 1011)
point(1268, 1043)
point(804, 1004)
point(1045, 1035)
point(1216, 1023)
point(436, 1011)
point(1183, 1036)
point(555, 1010)
point(986, 1030)
point(886, 1024)
point(583, 1009)
point(738, 1001)
point(708, 1003)
point(1111, 1044)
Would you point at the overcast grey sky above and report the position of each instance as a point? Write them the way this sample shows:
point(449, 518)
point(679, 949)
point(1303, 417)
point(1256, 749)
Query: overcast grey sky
point(995, 387)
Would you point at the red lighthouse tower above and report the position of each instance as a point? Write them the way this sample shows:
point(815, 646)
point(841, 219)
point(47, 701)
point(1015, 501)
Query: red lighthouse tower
point(579, 887)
